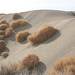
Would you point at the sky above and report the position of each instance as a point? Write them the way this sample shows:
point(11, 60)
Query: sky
point(14, 6)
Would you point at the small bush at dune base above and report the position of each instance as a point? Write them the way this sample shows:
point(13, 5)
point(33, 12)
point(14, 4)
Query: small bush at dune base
point(3, 21)
point(42, 34)
point(8, 32)
point(31, 60)
point(18, 23)
point(2, 32)
point(64, 66)
point(3, 26)
point(2, 37)
point(2, 45)
point(4, 54)
point(22, 35)
point(15, 16)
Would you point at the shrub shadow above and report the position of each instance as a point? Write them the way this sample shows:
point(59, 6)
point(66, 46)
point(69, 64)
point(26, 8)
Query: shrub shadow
point(54, 37)
point(38, 70)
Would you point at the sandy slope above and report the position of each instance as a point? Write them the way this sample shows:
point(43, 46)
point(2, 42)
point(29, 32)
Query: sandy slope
point(60, 45)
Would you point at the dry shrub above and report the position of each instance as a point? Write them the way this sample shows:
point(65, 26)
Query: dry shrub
point(3, 26)
point(31, 60)
point(42, 34)
point(2, 32)
point(15, 15)
point(2, 37)
point(22, 35)
point(2, 45)
point(4, 54)
point(20, 22)
point(8, 32)
point(3, 21)
point(64, 65)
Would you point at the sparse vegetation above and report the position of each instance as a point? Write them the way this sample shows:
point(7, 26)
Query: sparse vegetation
point(3, 26)
point(15, 15)
point(22, 35)
point(4, 54)
point(20, 22)
point(2, 45)
point(64, 65)
point(8, 32)
point(42, 34)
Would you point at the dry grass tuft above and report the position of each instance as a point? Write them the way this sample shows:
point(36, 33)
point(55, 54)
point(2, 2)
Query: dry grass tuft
point(3, 21)
point(4, 54)
point(2, 32)
point(22, 35)
point(2, 37)
point(31, 60)
point(2, 45)
point(64, 65)
point(18, 23)
point(42, 34)
point(8, 32)
point(3, 26)
point(15, 15)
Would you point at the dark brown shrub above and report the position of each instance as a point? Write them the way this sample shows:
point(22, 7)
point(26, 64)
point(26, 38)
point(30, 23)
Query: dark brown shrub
point(15, 16)
point(31, 60)
point(22, 35)
point(2, 32)
point(3, 21)
point(20, 22)
point(2, 45)
point(3, 26)
point(8, 32)
point(42, 34)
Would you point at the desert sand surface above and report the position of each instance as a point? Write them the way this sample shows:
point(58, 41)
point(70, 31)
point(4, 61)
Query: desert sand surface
point(59, 45)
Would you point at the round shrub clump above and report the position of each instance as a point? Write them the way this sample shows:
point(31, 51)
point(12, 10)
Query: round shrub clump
point(15, 15)
point(8, 32)
point(64, 65)
point(2, 32)
point(18, 23)
point(2, 45)
point(42, 34)
point(4, 54)
point(3, 21)
point(3, 26)
point(22, 35)
point(31, 60)
point(2, 37)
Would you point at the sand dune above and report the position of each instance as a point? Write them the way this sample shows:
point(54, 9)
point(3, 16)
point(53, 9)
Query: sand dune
point(60, 45)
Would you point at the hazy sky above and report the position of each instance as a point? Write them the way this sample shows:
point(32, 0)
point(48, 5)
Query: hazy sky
point(10, 6)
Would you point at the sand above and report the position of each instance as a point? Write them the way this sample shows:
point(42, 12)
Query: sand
point(60, 45)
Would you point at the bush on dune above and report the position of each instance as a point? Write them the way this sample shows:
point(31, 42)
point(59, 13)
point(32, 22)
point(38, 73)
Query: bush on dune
point(22, 35)
point(18, 23)
point(64, 65)
point(42, 34)
point(2, 32)
point(15, 15)
point(3, 26)
point(2, 45)
point(3, 21)
point(2, 37)
point(8, 32)
point(4, 54)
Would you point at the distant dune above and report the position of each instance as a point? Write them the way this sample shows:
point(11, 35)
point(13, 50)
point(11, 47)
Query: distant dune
point(60, 45)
